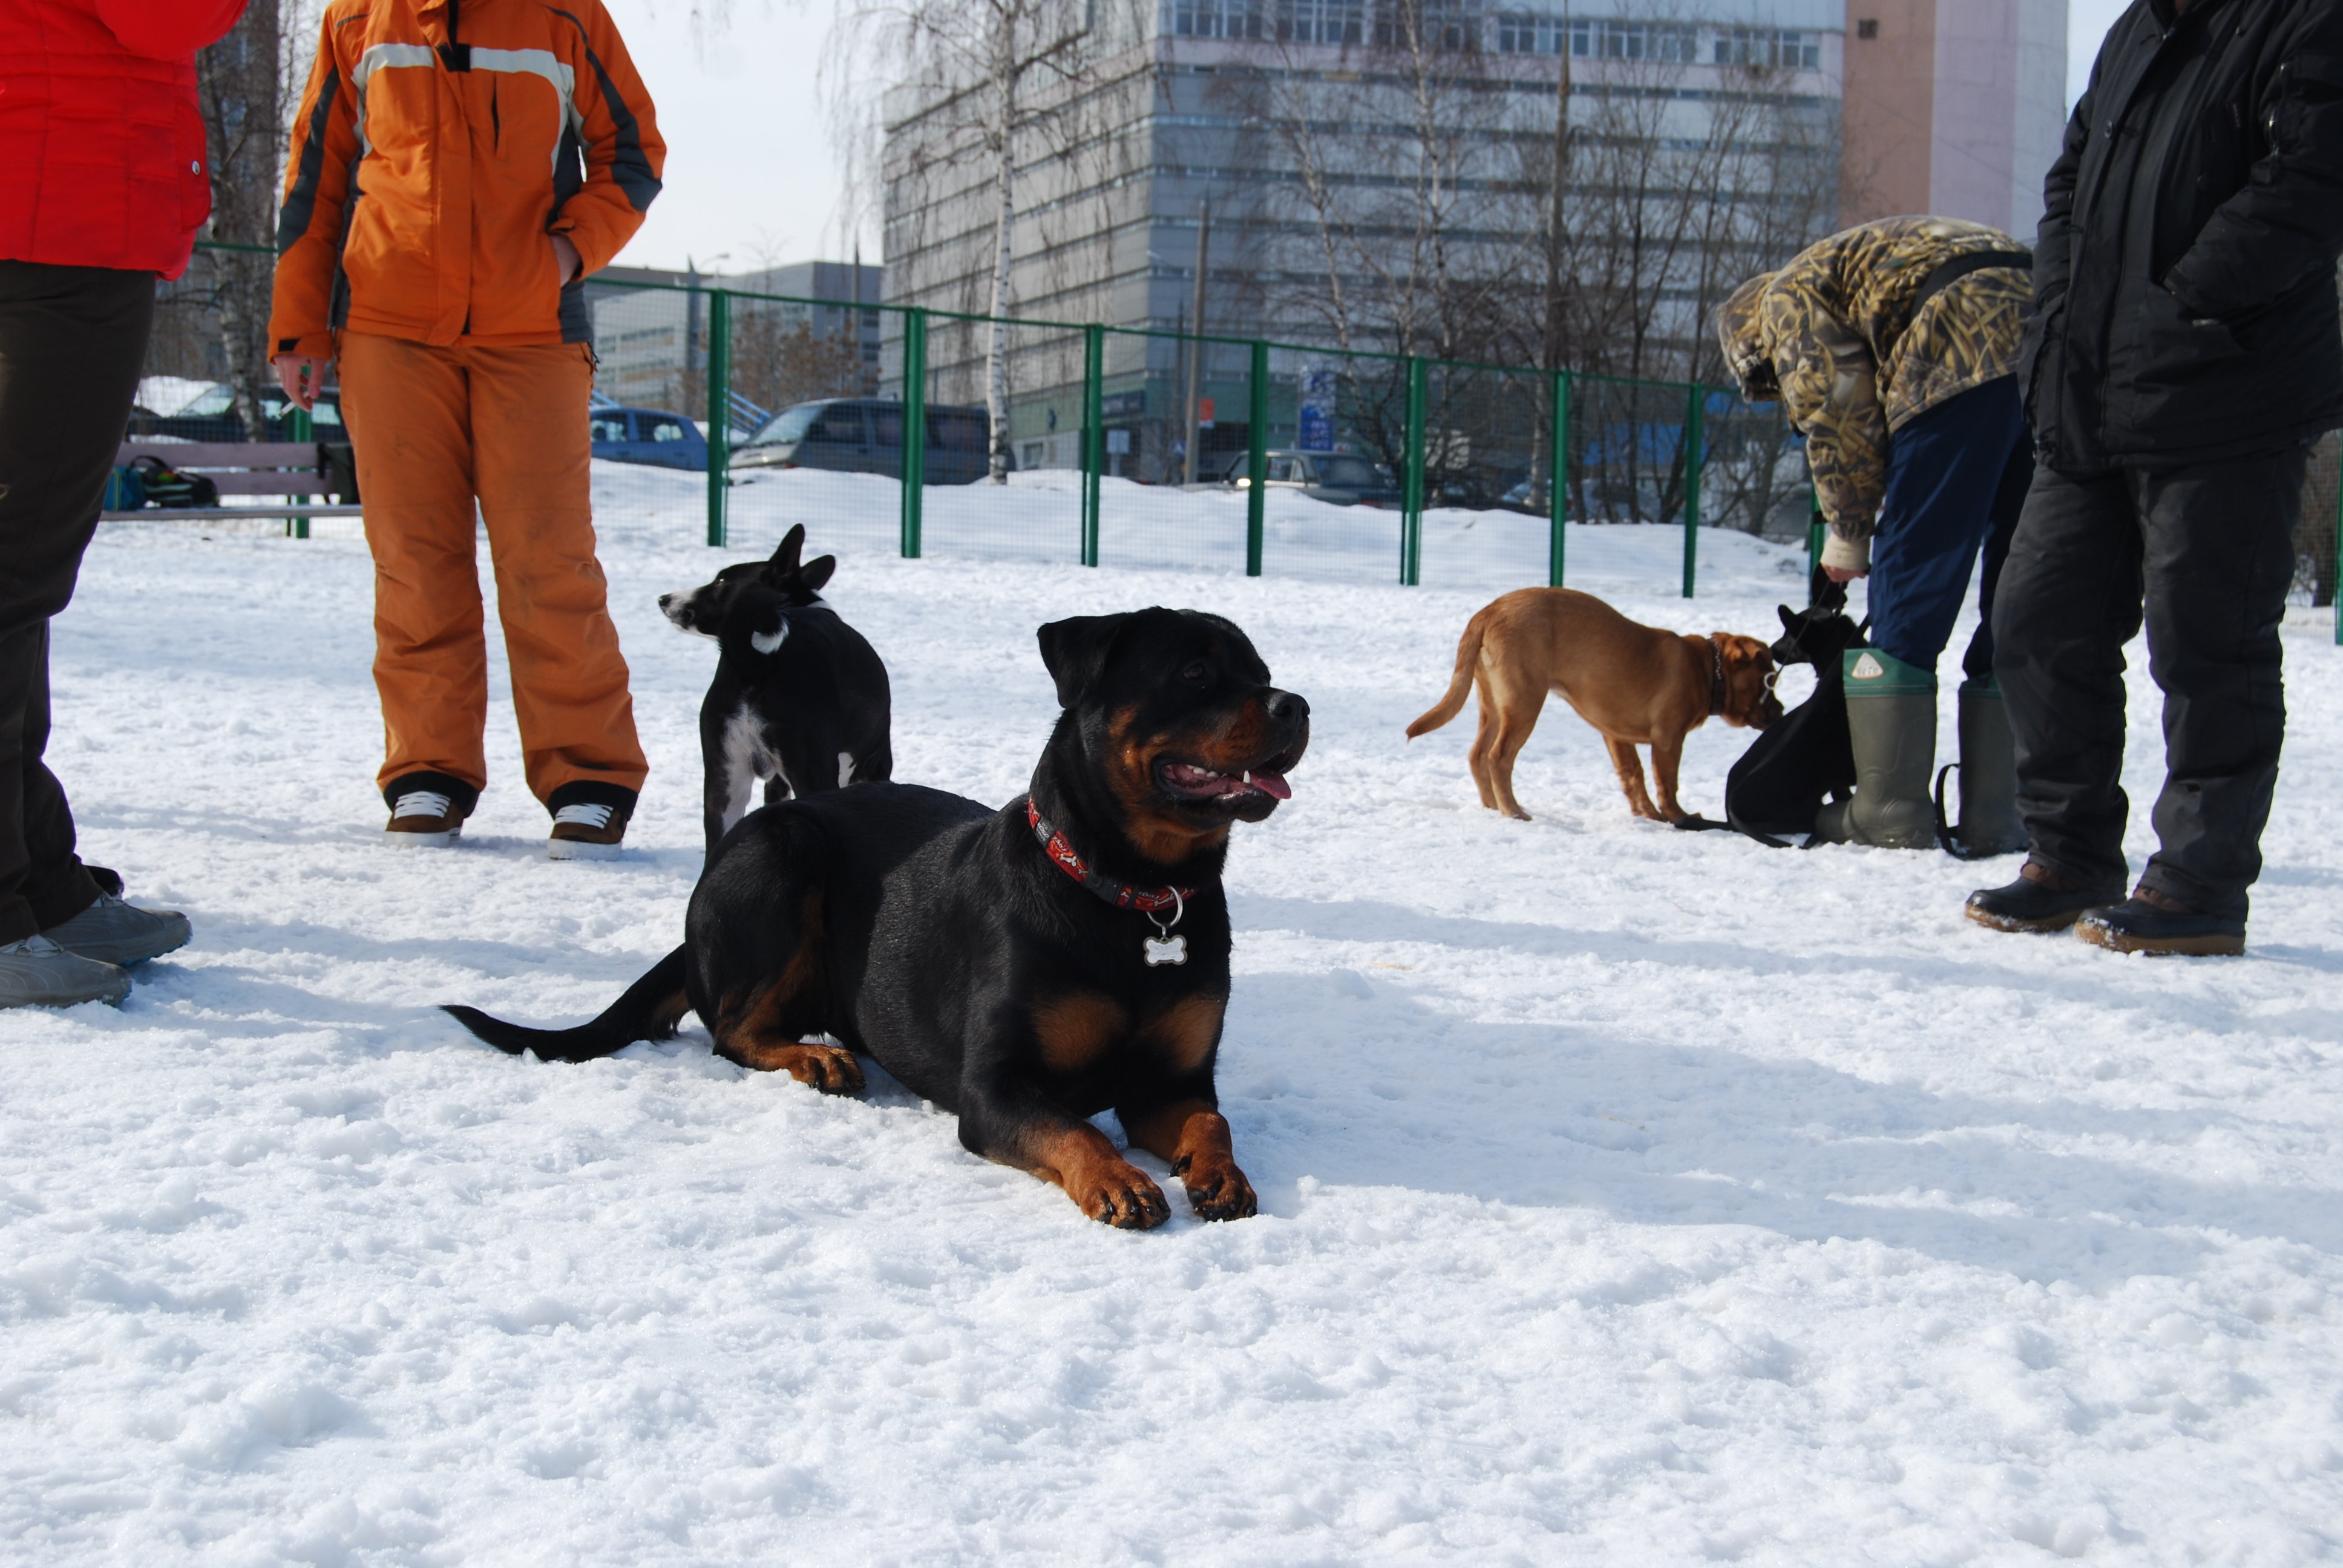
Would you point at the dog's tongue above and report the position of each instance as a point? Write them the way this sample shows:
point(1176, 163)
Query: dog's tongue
point(1272, 785)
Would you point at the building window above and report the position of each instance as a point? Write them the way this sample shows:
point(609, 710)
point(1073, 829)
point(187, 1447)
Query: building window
point(1519, 35)
point(1767, 46)
point(1449, 25)
point(1216, 18)
point(1320, 22)
point(1658, 41)
point(1866, 27)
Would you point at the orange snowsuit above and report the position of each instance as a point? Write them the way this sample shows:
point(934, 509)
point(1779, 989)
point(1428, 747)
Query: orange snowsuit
point(439, 145)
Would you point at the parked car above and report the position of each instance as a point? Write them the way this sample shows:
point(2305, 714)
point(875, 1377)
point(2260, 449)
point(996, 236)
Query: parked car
point(865, 435)
point(211, 416)
point(650, 436)
point(1338, 478)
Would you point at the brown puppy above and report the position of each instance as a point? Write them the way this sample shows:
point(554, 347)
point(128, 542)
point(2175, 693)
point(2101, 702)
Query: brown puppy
point(1637, 684)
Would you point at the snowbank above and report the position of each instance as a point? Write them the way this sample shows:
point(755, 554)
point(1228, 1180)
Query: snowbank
point(1628, 1196)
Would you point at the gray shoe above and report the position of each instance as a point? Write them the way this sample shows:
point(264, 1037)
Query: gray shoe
point(116, 932)
point(36, 972)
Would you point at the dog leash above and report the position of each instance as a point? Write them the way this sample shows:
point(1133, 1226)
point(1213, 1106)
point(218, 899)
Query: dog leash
point(1162, 948)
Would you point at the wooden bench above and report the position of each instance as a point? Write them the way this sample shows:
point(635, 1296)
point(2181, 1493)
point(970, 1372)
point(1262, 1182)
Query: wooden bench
point(280, 469)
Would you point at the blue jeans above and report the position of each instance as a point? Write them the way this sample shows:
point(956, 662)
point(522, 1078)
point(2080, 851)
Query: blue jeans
point(1956, 479)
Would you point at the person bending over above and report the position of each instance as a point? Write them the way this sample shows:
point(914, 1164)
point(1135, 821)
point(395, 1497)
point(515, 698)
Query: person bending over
point(2185, 353)
point(1893, 347)
point(456, 171)
point(103, 187)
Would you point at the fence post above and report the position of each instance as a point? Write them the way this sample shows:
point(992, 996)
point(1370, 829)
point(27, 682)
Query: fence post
point(1410, 517)
point(915, 426)
point(1094, 436)
point(1257, 459)
point(720, 412)
point(298, 427)
point(1558, 480)
point(1692, 487)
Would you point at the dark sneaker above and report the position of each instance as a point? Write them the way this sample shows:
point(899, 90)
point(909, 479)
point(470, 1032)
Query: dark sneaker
point(423, 820)
point(587, 831)
point(116, 932)
point(2162, 928)
point(36, 972)
point(2039, 900)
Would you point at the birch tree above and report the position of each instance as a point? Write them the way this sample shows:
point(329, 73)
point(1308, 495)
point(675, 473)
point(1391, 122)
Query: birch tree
point(995, 82)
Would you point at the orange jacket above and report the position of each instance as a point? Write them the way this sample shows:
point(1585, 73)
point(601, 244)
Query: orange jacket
point(440, 143)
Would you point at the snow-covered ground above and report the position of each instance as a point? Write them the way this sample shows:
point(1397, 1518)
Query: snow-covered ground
point(1627, 1196)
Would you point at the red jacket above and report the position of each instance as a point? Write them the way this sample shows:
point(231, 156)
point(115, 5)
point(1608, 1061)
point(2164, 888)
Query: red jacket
point(101, 143)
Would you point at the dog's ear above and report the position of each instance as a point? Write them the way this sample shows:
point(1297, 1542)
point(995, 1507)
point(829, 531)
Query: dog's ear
point(1789, 620)
point(1075, 651)
point(815, 572)
point(785, 554)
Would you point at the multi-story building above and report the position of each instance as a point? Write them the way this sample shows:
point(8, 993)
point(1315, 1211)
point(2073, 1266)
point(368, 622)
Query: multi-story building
point(1377, 171)
point(1954, 106)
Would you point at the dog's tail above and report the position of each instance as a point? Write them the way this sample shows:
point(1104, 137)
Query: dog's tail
point(648, 1010)
point(1468, 659)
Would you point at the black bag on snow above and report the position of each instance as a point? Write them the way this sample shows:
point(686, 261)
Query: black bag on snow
point(166, 487)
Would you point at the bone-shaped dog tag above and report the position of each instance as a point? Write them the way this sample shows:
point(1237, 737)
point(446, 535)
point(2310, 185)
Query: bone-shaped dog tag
point(1170, 951)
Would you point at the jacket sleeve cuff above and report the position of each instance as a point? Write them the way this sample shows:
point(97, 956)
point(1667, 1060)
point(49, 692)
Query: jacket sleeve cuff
point(1845, 554)
point(316, 344)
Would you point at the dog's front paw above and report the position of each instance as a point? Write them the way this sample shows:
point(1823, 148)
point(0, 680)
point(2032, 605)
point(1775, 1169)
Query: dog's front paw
point(1125, 1197)
point(1217, 1189)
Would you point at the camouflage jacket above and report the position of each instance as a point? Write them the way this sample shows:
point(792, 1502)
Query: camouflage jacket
point(1833, 337)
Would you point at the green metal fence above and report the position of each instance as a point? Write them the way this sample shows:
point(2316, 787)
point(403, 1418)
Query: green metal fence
point(1179, 448)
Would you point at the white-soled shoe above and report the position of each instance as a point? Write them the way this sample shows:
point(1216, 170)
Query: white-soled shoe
point(585, 832)
point(36, 972)
point(115, 932)
point(423, 820)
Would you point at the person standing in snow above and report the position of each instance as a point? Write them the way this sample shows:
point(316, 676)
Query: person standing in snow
point(457, 169)
point(2185, 355)
point(103, 187)
point(1893, 348)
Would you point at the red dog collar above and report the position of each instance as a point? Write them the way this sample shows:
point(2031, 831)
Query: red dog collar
point(1122, 895)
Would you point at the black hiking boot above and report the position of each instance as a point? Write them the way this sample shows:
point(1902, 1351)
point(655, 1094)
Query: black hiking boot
point(2039, 900)
point(2162, 926)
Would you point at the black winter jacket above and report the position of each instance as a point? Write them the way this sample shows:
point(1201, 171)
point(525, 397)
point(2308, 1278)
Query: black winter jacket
point(2184, 280)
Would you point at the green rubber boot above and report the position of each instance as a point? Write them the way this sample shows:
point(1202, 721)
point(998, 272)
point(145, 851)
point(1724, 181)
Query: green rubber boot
point(1891, 718)
point(1989, 822)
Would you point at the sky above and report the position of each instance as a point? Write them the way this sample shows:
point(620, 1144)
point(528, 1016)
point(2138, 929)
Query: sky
point(751, 178)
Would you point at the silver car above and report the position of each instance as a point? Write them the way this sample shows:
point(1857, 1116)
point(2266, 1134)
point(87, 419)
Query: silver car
point(1338, 478)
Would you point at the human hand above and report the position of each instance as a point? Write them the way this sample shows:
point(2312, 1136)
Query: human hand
point(565, 255)
point(302, 375)
point(1844, 574)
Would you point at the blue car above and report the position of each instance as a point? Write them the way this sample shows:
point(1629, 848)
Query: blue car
point(650, 436)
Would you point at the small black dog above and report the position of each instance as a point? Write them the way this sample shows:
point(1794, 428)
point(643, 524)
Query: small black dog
point(800, 699)
point(1775, 791)
point(1026, 968)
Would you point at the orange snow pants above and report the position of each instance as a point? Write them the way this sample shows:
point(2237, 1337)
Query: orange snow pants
point(434, 428)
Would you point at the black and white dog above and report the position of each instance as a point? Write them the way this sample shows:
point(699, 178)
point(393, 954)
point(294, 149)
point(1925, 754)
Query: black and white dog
point(800, 699)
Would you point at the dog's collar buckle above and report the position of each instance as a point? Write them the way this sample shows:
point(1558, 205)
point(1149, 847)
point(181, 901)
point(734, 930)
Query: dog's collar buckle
point(1162, 948)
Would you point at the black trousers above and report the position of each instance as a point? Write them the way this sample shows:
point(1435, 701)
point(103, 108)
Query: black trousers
point(2208, 553)
point(72, 341)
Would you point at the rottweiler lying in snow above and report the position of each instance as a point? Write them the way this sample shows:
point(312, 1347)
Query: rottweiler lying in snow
point(1025, 967)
